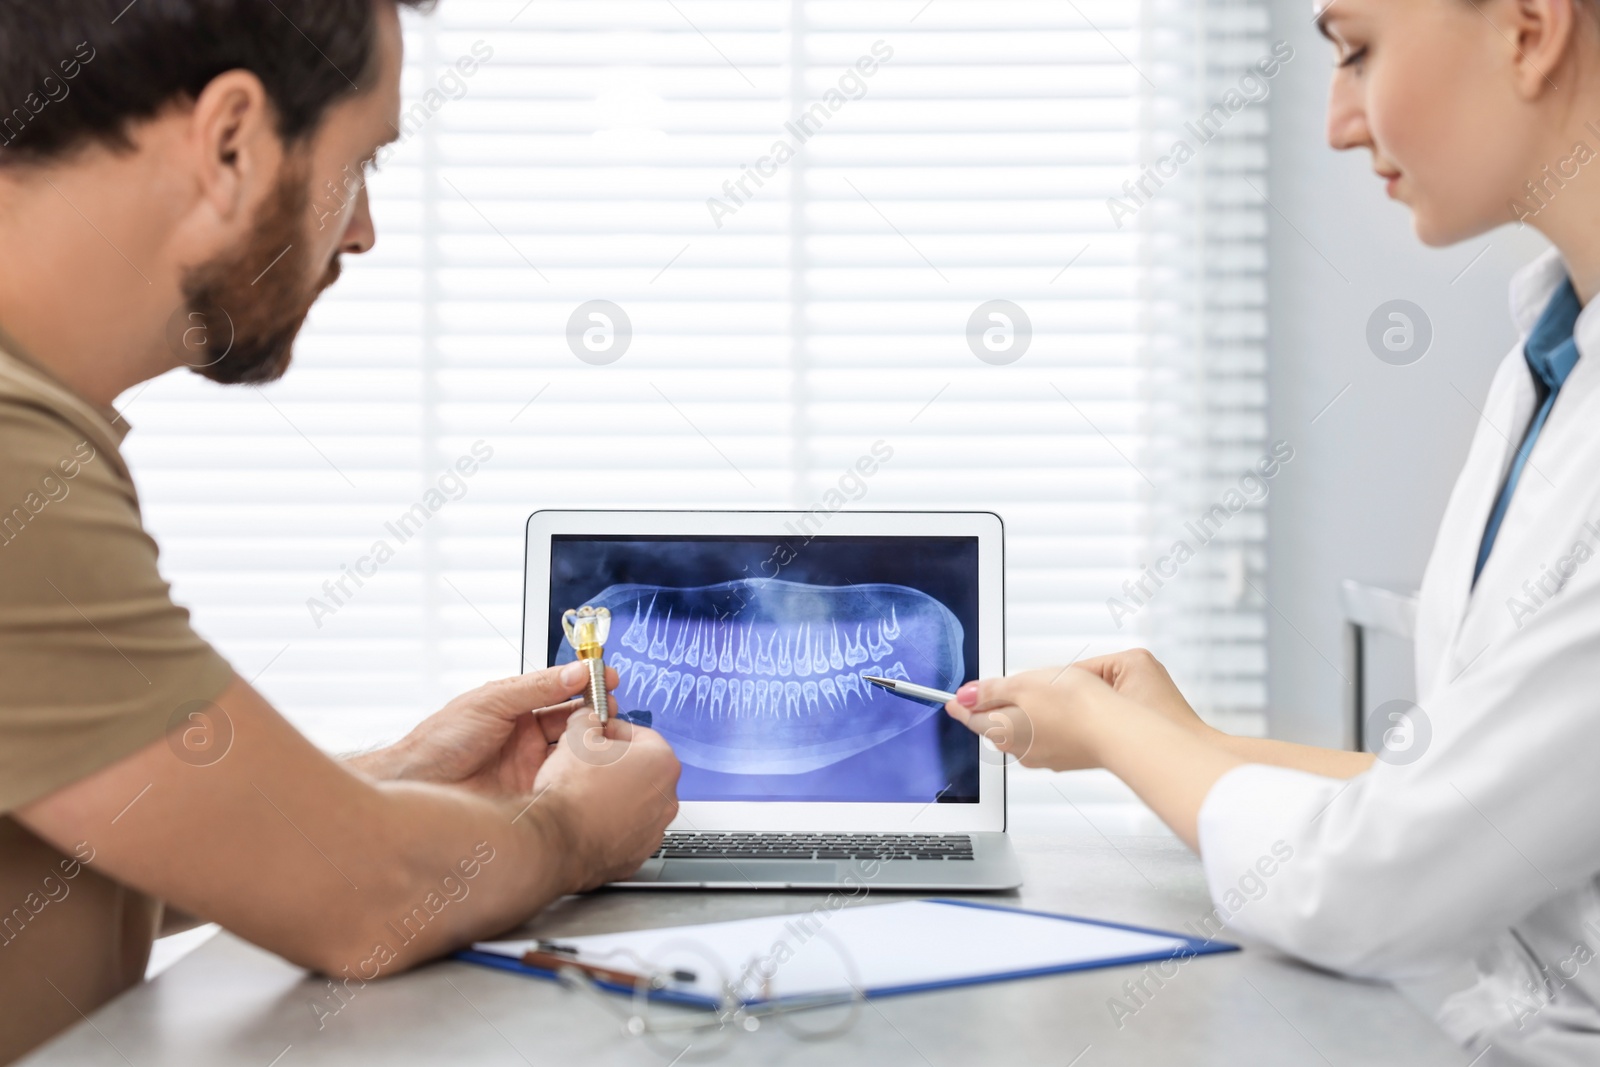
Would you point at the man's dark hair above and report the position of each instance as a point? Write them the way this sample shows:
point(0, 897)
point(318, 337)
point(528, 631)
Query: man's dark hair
point(78, 71)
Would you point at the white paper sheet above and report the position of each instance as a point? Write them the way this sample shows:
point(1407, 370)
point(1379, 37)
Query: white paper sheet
point(874, 948)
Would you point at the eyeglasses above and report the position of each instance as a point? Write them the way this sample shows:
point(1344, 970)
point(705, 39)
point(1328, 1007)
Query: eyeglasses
point(743, 1004)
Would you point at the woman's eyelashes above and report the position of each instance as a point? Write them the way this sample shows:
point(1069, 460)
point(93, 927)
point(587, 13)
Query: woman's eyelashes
point(1353, 57)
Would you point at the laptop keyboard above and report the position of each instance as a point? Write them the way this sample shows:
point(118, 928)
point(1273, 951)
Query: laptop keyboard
point(819, 846)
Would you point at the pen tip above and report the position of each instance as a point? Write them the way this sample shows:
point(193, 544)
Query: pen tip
point(875, 681)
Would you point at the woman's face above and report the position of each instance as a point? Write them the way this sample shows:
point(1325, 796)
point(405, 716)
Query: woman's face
point(1430, 88)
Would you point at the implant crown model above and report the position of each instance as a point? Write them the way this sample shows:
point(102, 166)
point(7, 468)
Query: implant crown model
point(587, 629)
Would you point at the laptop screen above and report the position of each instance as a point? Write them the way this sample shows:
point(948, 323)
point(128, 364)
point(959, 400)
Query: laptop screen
point(747, 655)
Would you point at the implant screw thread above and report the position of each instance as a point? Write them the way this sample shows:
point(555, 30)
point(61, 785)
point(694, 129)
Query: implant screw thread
point(597, 687)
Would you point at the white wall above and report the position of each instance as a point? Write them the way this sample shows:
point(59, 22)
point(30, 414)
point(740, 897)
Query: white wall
point(1363, 497)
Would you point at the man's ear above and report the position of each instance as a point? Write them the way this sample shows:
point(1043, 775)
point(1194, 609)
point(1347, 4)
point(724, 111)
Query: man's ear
point(234, 134)
point(1543, 33)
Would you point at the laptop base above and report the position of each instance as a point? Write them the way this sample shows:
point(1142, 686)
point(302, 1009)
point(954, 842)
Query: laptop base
point(992, 868)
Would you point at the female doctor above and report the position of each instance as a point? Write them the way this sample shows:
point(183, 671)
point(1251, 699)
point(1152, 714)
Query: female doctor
point(1487, 847)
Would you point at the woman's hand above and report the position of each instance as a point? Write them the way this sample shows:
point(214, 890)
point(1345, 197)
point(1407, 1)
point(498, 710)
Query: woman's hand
point(488, 740)
point(1140, 677)
point(1049, 718)
point(1070, 719)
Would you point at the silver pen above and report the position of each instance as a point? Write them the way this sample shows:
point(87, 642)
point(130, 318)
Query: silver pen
point(912, 691)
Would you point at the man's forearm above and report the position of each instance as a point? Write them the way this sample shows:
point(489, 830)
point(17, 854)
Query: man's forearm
point(312, 859)
point(386, 764)
point(391, 763)
point(459, 868)
point(177, 921)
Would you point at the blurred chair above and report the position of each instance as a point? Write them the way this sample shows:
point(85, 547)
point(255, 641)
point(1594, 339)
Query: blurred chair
point(1375, 619)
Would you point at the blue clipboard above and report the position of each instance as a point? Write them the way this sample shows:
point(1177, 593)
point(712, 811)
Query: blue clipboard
point(516, 966)
point(1190, 948)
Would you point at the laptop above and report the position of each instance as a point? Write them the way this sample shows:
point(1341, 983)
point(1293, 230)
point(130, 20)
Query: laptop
point(744, 637)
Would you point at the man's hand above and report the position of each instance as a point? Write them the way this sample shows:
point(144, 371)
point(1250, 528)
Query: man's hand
point(608, 792)
point(612, 790)
point(488, 740)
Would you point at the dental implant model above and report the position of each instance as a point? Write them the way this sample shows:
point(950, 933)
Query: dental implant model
point(587, 629)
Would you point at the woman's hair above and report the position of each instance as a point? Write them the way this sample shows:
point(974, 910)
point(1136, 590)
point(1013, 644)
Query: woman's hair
point(78, 71)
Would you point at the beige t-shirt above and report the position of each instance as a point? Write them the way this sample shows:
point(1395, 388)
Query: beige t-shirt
point(95, 659)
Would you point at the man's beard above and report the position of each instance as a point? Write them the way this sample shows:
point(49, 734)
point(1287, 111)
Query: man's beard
point(250, 307)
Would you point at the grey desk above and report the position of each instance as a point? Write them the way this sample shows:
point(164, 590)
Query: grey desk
point(231, 1004)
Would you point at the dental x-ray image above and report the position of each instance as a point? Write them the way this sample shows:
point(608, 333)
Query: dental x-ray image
point(763, 676)
point(757, 680)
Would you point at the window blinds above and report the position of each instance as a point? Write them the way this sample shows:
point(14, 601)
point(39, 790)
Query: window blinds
point(708, 253)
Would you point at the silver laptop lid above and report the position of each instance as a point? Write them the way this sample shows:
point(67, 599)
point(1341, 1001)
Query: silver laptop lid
point(743, 637)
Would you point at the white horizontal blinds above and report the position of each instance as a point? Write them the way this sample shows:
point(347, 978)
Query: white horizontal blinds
point(1205, 275)
point(578, 170)
point(976, 170)
point(828, 311)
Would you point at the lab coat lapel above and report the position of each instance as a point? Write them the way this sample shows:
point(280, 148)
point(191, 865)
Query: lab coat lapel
point(1446, 621)
point(1448, 599)
point(1550, 515)
point(1554, 502)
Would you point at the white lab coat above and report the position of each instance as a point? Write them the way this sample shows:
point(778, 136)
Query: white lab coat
point(1487, 847)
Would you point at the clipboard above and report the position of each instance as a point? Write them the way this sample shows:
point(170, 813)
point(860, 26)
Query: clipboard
point(897, 948)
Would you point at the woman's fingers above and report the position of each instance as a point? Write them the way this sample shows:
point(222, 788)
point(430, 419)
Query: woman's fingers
point(986, 693)
point(1134, 666)
point(1107, 668)
point(993, 709)
point(1008, 729)
point(1040, 718)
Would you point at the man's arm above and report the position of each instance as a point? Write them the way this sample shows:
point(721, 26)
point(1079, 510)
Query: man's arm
point(332, 869)
point(176, 921)
point(492, 739)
